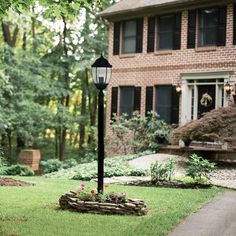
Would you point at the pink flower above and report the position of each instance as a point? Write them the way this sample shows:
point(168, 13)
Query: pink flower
point(93, 191)
point(123, 194)
point(82, 186)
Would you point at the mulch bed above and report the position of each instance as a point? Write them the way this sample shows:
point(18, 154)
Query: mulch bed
point(173, 184)
point(13, 182)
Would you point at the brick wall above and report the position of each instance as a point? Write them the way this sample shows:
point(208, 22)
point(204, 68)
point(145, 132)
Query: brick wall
point(159, 68)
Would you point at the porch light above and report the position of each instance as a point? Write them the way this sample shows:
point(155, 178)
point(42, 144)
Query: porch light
point(228, 88)
point(101, 72)
point(178, 88)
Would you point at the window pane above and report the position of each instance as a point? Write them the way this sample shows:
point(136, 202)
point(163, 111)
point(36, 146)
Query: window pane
point(165, 32)
point(126, 100)
point(129, 45)
point(208, 27)
point(129, 28)
point(166, 40)
point(163, 102)
point(209, 37)
point(166, 23)
point(129, 37)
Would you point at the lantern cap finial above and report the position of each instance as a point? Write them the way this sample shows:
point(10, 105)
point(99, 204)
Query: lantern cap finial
point(101, 62)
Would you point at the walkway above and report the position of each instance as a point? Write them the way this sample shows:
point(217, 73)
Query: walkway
point(217, 218)
point(224, 177)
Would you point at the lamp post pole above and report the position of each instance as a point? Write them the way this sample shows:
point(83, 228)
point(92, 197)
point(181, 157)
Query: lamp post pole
point(100, 140)
point(101, 71)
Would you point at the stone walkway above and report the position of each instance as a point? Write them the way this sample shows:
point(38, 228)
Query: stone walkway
point(225, 177)
point(217, 218)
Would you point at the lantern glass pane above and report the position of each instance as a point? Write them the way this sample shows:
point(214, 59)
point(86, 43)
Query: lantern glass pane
point(101, 75)
point(109, 71)
point(94, 74)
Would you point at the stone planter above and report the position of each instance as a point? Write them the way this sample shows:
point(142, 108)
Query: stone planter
point(31, 158)
point(71, 202)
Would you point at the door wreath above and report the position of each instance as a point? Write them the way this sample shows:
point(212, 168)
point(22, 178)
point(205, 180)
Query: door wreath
point(206, 100)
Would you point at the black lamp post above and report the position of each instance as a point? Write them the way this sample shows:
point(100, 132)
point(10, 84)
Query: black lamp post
point(101, 71)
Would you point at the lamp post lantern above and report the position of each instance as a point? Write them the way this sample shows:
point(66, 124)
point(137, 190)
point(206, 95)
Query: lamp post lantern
point(101, 73)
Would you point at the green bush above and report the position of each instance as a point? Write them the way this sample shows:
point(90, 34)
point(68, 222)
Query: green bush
point(16, 170)
point(139, 133)
point(53, 165)
point(50, 165)
point(68, 163)
point(115, 166)
point(111, 168)
point(162, 171)
point(197, 167)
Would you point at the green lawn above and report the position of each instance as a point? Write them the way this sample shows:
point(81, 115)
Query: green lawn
point(33, 211)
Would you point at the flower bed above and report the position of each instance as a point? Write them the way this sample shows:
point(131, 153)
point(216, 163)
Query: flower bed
point(87, 200)
point(70, 201)
point(172, 184)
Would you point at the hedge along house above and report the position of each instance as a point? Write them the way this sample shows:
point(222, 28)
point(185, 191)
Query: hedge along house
point(155, 45)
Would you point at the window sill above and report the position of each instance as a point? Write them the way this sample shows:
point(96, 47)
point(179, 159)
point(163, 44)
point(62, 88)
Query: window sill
point(128, 55)
point(163, 52)
point(206, 49)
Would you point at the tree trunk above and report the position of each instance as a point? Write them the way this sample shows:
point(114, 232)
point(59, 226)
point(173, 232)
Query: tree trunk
point(83, 109)
point(8, 38)
point(67, 99)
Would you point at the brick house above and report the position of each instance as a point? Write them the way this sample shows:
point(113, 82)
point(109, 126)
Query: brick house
point(155, 45)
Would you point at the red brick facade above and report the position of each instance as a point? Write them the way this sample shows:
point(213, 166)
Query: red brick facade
point(165, 67)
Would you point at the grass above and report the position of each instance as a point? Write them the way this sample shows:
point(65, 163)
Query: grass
point(33, 211)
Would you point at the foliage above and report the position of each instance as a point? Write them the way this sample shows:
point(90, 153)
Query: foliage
point(35, 210)
point(52, 165)
point(116, 166)
point(16, 170)
point(2, 159)
point(162, 171)
point(111, 168)
point(140, 133)
point(216, 125)
point(198, 167)
point(85, 193)
point(46, 50)
point(190, 181)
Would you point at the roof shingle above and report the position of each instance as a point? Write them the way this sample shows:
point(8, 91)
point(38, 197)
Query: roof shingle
point(136, 5)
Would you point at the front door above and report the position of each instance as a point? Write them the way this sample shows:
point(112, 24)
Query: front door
point(206, 99)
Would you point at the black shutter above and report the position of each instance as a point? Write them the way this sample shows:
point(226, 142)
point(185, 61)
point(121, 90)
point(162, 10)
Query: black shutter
point(222, 16)
point(139, 36)
point(191, 29)
point(175, 106)
point(149, 100)
point(116, 39)
point(114, 101)
point(151, 34)
point(177, 32)
point(234, 24)
point(137, 98)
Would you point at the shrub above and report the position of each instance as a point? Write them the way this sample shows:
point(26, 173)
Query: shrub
point(17, 170)
point(112, 167)
point(216, 125)
point(198, 167)
point(68, 163)
point(51, 165)
point(162, 171)
point(116, 166)
point(139, 133)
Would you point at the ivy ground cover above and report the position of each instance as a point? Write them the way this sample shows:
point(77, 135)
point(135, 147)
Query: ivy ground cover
point(33, 211)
